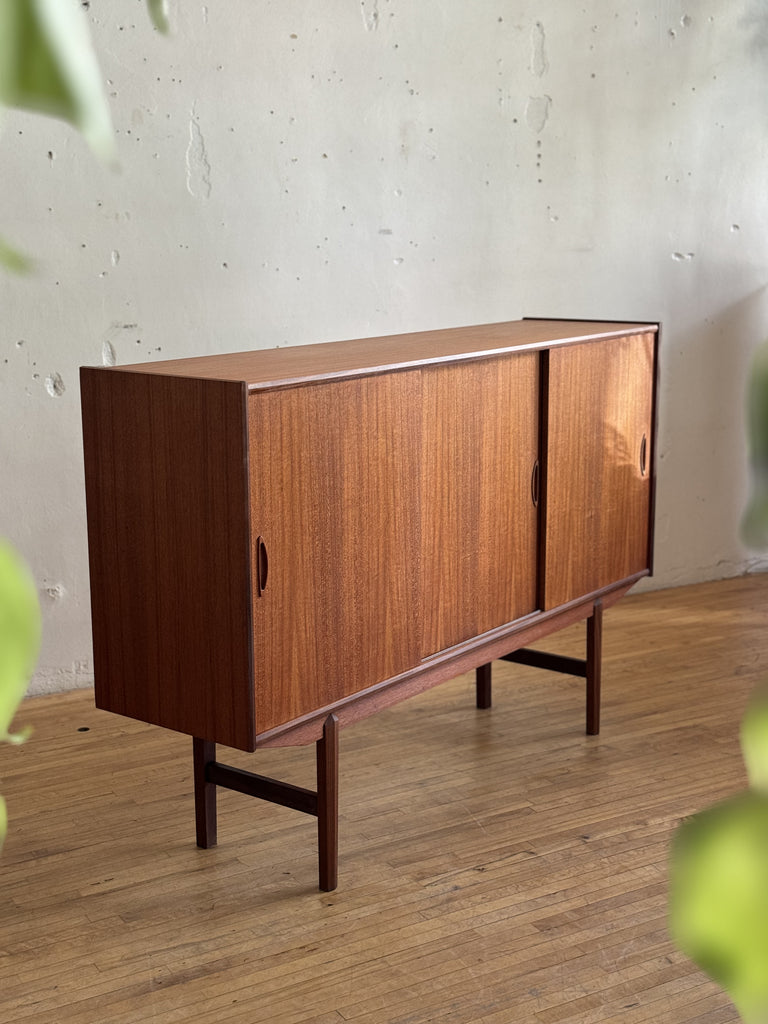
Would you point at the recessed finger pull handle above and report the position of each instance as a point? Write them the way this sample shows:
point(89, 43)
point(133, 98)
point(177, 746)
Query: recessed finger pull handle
point(643, 455)
point(535, 483)
point(262, 565)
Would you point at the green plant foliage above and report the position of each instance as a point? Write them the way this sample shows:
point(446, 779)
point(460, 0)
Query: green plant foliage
point(47, 65)
point(19, 644)
point(19, 634)
point(158, 15)
point(719, 898)
point(12, 259)
point(754, 742)
point(754, 527)
point(718, 910)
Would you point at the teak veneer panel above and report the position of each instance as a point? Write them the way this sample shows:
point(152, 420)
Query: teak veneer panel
point(334, 482)
point(479, 520)
point(599, 431)
point(165, 472)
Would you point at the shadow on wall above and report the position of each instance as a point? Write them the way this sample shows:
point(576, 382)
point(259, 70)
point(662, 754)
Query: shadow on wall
point(702, 432)
point(755, 21)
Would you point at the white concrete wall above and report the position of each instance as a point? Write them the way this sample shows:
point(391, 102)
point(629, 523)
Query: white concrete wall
point(310, 170)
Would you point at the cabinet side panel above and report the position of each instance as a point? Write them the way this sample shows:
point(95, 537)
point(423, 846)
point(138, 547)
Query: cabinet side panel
point(166, 490)
point(479, 525)
point(335, 499)
point(599, 465)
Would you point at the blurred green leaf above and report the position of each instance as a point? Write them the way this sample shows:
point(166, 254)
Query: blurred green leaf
point(754, 740)
point(158, 15)
point(19, 644)
point(719, 898)
point(47, 65)
point(12, 259)
point(754, 526)
point(19, 635)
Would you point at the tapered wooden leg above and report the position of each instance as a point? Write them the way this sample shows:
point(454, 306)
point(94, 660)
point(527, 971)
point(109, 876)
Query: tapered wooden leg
point(594, 667)
point(328, 805)
point(203, 752)
point(483, 686)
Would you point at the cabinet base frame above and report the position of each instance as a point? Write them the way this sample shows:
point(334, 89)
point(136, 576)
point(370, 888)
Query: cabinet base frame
point(589, 668)
point(323, 804)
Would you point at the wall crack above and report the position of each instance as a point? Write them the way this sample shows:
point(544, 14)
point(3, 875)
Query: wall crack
point(198, 165)
point(539, 62)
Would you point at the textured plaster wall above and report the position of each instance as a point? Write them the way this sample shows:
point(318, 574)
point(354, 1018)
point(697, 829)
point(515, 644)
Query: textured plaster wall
point(310, 170)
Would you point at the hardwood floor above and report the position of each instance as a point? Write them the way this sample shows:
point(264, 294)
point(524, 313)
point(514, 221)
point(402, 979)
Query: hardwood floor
point(496, 866)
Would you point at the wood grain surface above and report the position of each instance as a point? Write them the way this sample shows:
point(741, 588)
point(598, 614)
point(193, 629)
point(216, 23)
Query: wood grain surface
point(165, 471)
point(598, 498)
point(302, 364)
point(479, 530)
point(335, 495)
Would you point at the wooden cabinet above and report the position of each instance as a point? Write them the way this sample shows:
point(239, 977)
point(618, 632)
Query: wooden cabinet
point(284, 541)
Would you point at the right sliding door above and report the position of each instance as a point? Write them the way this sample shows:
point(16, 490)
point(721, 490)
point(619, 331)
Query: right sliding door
point(598, 484)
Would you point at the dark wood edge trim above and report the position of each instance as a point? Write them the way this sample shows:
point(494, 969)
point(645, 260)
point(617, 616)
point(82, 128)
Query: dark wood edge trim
point(654, 446)
point(631, 329)
point(442, 667)
point(145, 370)
point(251, 698)
point(462, 357)
point(541, 544)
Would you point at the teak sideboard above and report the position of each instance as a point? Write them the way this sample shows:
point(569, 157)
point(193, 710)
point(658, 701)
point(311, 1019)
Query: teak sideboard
point(284, 541)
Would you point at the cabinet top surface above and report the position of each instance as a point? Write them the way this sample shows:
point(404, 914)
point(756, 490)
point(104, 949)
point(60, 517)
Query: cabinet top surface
point(300, 364)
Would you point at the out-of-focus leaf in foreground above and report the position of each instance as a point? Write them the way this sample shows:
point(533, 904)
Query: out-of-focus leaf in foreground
point(718, 909)
point(754, 526)
point(47, 65)
point(12, 259)
point(19, 635)
point(158, 15)
point(19, 644)
point(719, 899)
point(754, 740)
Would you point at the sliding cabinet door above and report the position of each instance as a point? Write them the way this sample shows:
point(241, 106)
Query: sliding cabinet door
point(599, 458)
point(479, 476)
point(334, 485)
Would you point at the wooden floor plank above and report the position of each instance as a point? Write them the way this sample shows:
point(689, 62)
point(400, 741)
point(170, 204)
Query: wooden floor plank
point(496, 866)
